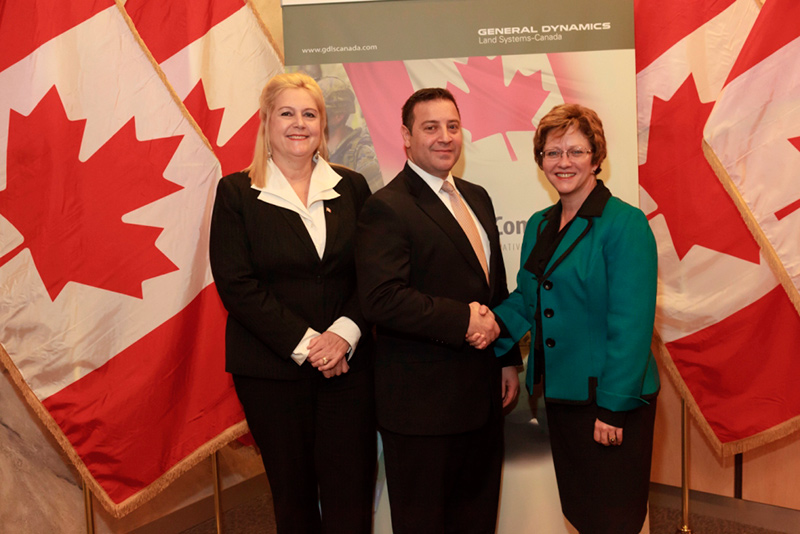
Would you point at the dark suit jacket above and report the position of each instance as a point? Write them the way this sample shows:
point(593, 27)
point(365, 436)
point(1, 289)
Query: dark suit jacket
point(417, 274)
point(273, 283)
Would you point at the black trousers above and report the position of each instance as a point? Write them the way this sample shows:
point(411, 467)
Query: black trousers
point(318, 444)
point(444, 484)
point(603, 490)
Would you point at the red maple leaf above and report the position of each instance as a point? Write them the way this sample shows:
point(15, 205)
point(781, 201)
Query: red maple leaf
point(237, 153)
point(491, 107)
point(70, 212)
point(677, 176)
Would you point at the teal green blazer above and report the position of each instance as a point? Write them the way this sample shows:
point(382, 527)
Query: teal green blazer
point(598, 298)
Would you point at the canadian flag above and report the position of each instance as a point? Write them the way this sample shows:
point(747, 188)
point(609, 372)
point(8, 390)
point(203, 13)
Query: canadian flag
point(718, 105)
point(762, 95)
point(111, 326)
point(217, 56)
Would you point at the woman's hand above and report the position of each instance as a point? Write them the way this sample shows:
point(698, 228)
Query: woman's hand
point(339, 369)
point(482, 330)
point(606, 434)
point(510, 385)
point(326, 351)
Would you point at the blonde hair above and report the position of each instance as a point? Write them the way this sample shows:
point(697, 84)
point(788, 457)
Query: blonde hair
point(277, 85)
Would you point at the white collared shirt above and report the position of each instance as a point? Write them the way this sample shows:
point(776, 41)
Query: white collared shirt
point(279, 192)
point(435, 183)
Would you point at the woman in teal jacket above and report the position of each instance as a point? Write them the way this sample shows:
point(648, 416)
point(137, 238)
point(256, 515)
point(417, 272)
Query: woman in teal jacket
point(586, 290)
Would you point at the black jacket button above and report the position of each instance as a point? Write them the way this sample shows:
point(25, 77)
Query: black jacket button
point(548, 285)
point(550, 342)
point(548, 313)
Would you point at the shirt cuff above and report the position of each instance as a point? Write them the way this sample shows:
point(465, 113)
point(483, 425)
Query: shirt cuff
point(300, 352)
point(348, 330)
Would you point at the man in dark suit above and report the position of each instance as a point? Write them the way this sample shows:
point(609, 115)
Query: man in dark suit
point(428, 263)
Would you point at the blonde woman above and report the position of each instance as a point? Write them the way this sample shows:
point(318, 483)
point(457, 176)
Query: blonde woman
point(297, 344)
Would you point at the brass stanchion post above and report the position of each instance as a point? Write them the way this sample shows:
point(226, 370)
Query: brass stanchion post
point(87, 506)
point(217, 498)
point(684, 528)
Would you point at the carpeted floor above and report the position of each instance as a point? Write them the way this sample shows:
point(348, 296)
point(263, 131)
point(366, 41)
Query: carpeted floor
point(255, 516)
point(250, 518)
point(668, 520)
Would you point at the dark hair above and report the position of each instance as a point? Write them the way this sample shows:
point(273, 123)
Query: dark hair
point(565, 116)
point(425, 95)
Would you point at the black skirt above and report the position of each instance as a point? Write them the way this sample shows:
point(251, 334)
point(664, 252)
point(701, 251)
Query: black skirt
point(602, 489)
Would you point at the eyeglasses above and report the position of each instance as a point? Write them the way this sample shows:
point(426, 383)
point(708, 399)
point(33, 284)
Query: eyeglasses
point(572, 153)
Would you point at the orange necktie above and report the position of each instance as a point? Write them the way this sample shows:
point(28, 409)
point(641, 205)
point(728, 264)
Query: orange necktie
point(467, 224)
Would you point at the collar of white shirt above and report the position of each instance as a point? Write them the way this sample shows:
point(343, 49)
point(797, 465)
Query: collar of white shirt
point(279, 192)
point(434, 182)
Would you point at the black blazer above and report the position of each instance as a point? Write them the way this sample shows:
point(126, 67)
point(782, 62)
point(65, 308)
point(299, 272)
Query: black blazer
point(273, 283)
point(417, 274)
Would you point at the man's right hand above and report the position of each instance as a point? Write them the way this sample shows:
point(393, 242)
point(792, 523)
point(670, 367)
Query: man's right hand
point(482, 329)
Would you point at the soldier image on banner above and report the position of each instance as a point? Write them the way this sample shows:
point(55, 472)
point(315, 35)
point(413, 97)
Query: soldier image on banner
point(351, 147)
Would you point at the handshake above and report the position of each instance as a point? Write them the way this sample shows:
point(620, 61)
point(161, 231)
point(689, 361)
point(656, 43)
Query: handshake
point(482, 329)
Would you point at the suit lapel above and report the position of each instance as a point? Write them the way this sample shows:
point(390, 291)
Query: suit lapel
point(433, 206)
point(296, 224)
point(576, 231)
point(332, 220)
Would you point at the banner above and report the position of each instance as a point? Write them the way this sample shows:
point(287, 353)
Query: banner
point(340, 32)
point(512, 63)
point(718, 114)
point(111, 326)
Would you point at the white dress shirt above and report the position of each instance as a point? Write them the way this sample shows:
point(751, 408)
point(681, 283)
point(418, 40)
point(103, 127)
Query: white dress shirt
point(279, 192)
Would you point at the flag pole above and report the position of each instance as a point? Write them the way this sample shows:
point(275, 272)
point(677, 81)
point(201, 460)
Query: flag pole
point(87, 505)
point(684, 528)
point(217, 500)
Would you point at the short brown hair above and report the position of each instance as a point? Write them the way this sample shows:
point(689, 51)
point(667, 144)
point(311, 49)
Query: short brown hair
point(565, 116)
